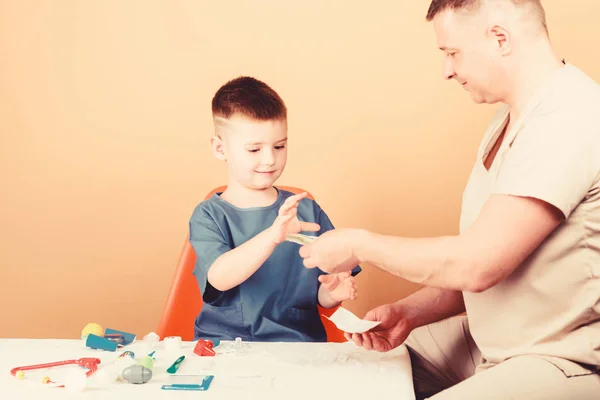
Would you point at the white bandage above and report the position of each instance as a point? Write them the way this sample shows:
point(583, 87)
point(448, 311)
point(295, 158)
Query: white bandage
point(172, 344)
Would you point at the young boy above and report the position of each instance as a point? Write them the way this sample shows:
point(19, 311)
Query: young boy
point(253, 282)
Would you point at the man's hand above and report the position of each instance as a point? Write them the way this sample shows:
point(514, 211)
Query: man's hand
point(389, 334)
point(287, 221)
point(339, 287)
point(334, 251)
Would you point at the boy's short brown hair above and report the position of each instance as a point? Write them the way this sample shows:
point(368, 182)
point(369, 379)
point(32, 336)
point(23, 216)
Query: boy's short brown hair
point(248, 97)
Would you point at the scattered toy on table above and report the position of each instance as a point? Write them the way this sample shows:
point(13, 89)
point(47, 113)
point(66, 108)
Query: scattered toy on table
point(112, 372)
point(92, 327)
point(149, 342)
point(172, 344)
point(109, 340)
point(100, 343)
point(191, 382)
point(175, 366)
point(75, 381)
point(204, 348)
point(137, 374)
point(127, 338)
point(147, 361)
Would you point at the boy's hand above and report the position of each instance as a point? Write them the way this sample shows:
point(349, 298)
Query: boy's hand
point(287, 221)
point(339, 287)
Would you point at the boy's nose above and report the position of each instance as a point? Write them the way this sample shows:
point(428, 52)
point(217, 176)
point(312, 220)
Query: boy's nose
point(268, 158)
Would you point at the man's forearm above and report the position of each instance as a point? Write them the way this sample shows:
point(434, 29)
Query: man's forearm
point(237, 265)
point(430, 305)
point(440, 262)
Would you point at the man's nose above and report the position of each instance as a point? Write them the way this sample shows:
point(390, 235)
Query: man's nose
point(448, 71)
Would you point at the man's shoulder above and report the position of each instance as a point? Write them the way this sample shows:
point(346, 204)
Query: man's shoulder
point(575, 93)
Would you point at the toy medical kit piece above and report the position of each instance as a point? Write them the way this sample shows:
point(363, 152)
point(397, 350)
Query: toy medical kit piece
point(137, 374)
point(172, 344)
point(238, 347)
point(147, 361)
point(90, 363)
point(204, 384)
point(300, 238)
point(149, 342)
point(91, 328)
point(127, 353)
point(75, 380)
point(348, 322)
point(204, 348)
point(173, 368)
point(123, 338)
point(100, 343)
point(111, 372)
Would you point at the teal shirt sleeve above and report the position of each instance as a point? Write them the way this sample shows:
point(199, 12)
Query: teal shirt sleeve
point(209, 243)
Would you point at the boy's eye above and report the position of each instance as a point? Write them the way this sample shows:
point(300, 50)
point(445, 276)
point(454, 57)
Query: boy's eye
point(279, 147)
point(253, 150)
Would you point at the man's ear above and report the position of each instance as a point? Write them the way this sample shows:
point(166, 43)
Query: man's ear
point(216, 143)
point(502, 39)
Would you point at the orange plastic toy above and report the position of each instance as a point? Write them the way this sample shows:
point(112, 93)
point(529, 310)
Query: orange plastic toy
point(184, 301)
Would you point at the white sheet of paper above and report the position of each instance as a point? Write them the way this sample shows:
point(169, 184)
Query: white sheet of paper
point(300, 238)
point(348, 322)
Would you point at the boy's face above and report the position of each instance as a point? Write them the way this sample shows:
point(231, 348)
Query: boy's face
point(255, 151)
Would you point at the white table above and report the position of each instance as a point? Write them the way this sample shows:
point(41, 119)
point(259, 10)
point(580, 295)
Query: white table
point(267, 371)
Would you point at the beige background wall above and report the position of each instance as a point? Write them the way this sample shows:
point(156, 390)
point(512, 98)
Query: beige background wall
point(105, 121)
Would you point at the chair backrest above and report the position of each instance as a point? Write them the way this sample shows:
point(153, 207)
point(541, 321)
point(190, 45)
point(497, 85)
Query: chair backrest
point(184, 300)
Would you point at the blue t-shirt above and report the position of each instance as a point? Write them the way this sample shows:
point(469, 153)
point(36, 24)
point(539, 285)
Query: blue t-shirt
point(279, 301)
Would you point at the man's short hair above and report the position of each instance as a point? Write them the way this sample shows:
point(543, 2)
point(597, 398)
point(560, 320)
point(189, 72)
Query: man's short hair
point(438, 6)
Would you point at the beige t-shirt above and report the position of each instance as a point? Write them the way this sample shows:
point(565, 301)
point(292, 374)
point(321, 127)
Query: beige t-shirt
point(550, 305)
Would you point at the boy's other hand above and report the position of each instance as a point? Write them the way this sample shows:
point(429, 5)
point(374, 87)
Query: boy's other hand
point(339, 287)
point(288, 222)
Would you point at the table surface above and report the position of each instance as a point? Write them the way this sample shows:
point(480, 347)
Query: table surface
point(263, 371)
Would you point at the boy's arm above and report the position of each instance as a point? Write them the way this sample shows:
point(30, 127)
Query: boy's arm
point(325, 299)
point(238, 264)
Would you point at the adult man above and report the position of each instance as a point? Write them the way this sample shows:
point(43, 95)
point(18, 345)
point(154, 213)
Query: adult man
point(526, 264)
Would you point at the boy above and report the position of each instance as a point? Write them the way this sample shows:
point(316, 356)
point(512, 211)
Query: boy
point(252, 281)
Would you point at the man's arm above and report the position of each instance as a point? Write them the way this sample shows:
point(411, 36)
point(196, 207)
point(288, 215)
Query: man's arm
point(508, 230)
point(397, 320)
point(430, 305)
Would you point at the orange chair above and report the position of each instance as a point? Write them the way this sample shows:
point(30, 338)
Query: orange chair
point(184, 300)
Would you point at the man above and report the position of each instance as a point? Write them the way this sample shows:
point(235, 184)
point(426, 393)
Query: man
point(526, 264)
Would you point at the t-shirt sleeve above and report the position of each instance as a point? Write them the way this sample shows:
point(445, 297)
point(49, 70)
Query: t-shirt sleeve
point(555, 158)
point(326, 225)
point(209, 243)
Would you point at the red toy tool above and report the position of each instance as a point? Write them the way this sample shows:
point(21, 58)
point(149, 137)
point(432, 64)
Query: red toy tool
point(90, 363)
point(204, 348)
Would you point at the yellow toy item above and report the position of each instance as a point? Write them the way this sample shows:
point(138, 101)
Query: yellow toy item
point(92, 328)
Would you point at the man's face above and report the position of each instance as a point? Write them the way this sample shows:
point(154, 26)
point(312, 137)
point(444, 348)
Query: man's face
point(471, 55)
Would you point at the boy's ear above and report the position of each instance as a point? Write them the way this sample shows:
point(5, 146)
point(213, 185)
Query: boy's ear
point(216, 143)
